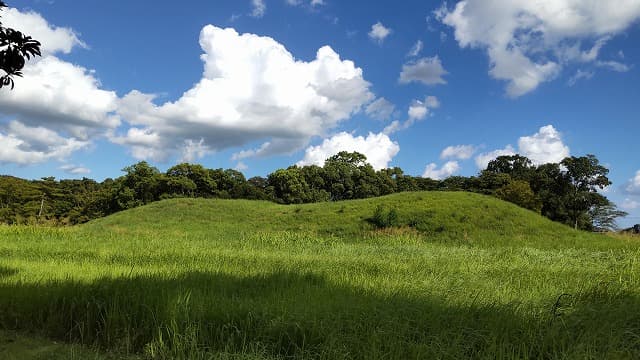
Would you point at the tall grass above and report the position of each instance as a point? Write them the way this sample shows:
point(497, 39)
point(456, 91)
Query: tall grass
point(460, 276)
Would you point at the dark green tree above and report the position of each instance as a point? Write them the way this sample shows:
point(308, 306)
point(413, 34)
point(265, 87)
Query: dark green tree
point(144, 182)
point(518, 167)
point(490, 181)
point(289, 186)
point(519, 192)
point(191, 180)
point(585, 176)
point(226, 181)
point(455, 183)
point(314, 176)
point(342, 173)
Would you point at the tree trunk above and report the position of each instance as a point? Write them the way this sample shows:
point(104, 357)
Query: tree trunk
point(41, 207)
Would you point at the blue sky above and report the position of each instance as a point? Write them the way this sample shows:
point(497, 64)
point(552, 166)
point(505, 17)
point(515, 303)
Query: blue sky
point(435, 88)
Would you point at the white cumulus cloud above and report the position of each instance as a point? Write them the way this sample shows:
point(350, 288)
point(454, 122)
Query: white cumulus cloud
point(60, 95)
point(378, 148)
point(252, 89)
point(53, 39)
point(379, 32)
point(529, 42)
point(54, 98)
point(418, 111)
point(428, 70)
point(483, 159)
point(24, 145)
point(448, 169)
point(545, 146)
point(460, 152)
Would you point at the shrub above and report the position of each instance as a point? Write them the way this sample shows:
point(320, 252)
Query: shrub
point(383, 218)
point(519, 192)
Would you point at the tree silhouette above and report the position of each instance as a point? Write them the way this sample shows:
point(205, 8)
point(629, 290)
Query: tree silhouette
point(15, 49)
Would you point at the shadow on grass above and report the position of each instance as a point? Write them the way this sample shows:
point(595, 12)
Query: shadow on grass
point(7, 271)
point(289, 315)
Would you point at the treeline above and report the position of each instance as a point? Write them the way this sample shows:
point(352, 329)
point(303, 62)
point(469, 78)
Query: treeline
point(565, 192)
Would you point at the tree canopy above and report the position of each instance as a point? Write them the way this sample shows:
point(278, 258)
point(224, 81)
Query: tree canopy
point(565, 192)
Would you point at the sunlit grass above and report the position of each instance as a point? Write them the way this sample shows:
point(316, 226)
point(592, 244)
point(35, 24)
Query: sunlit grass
point(462, 276)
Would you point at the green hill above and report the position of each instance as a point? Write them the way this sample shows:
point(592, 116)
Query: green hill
point(459, 275)
point(453, 217)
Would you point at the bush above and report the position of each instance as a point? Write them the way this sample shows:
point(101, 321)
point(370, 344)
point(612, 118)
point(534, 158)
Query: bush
point(383, 218)
point(519, 192)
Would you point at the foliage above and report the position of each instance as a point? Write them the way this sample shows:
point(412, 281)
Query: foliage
point(564, 194)
point(565, 191)
point(519, 192)
point(516, 166)
point(15, 49)
point(585, 176)
point(604, 216)
point(383, 218)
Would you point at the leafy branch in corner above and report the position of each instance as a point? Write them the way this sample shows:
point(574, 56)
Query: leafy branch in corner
point(15, 49)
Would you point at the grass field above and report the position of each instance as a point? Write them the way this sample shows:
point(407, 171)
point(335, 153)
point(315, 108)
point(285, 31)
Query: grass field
point(462, 276)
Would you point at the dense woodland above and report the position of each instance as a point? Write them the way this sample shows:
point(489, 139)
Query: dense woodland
point(564, 192)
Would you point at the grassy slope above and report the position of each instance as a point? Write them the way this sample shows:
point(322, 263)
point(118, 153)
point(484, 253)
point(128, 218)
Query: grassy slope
point(455, 217)
point(473, 277)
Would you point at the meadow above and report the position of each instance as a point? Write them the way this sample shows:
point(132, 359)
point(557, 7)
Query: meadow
point(459, 275)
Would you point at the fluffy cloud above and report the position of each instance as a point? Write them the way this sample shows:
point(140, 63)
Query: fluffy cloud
point(379, 32)
point(58, 94)
point(378, 149)
point(56, 106)
point(545, 146)
point(460, 152)
point(252, 89)
point(427, 70)
point(380, 109)
point(418, 111)
point(24, 145)
point(483, 159)
point(633, 185)
point(448, 169)
point(53, 39)
point(528, 42)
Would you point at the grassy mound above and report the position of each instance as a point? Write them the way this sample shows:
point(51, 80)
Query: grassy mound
point(459, 275)
point(454, 217)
